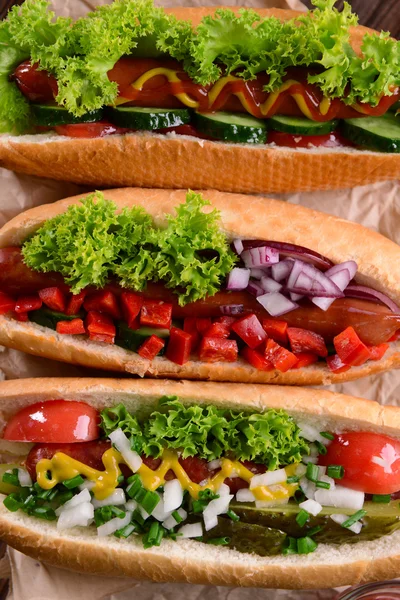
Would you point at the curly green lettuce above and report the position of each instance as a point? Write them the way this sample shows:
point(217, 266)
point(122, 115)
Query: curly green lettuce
point(91, 242)
point(271, 437)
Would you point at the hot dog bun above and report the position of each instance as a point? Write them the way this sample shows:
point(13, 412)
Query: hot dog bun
point(176, 161)
point(241, 216)
point(189, 561)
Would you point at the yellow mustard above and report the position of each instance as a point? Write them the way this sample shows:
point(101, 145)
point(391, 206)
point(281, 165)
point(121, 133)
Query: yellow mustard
point(62, 467)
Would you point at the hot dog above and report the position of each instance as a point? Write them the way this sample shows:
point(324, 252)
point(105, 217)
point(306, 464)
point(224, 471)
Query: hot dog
point(159, 283)
point(271, 108)
point(164, 480)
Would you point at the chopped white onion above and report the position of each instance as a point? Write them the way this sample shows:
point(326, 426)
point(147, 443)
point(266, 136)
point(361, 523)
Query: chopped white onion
point(268, 478)
point(191, 530)
point(214, 464)
point(276, 304)
point(301, 470)
point(117, 498)
point(80, 515)
point(340, 497)
point(216, 507)
point(245, 495)
point(224, 490)
point(144, 514)
point(24, 478)
point(238, 279)
point(270, 285)
point(311, 433)
point(311, 506)
point(308, 488)
point(131, 505)
point(173, 495)
point(329, 480)
point(339, 519)
point(87, 485)
point(122, 444)
point(80, 498)
point(210, 521)
point(171, 522)
point(310, 459)
point(113, 525)
point(238, 245)
point(159, 512)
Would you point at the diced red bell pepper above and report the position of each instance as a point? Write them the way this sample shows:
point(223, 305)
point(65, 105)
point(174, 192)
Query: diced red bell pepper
point(218, 349)
point(280, 357)
point(7, 304)
point(151, 347)
point(179, 346)
point(53, 298)
point(336, 365)
point(202, 324)
point(377, 352)
point(256, 359)
point(277, 330)
point(250, 330)
point(75, 303)
point(73, 327)
point(395, 336)
point(304, 340)
point(304, 359)
point(189, 325)
point(350, 348)
point(156, 313)
point(25, 304)
point(100, 327)
point(218, 330)
point(227, 321)
point(23, 316)
point(103, 301)
point(131, 304)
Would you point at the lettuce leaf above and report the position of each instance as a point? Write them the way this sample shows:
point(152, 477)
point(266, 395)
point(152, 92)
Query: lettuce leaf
point(91, 242)
point(271, 437)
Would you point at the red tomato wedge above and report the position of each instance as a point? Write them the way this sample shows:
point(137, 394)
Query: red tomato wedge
point(371, 461)
point(54, 421)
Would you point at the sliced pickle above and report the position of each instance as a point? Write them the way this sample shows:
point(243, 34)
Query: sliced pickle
point(7, 488)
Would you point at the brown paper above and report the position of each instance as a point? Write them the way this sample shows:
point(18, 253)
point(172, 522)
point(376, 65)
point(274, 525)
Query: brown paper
point(375, 206)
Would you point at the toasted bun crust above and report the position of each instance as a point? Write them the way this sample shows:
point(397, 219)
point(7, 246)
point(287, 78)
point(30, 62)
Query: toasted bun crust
point(241, 216)
point(189, 561)
point(175, 161)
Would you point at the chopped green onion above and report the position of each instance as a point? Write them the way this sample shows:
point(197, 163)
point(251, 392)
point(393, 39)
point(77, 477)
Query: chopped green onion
point(335, 471)
point(72, 483)
point(314, 530)
point(12, 502)
point(382, 498)
point(312, 472)
point(232, 515)
point(103, 514)
point(63, 497)
point(120, 479)
point(118, 512)
point(327, 435)
point(44, 513)
point(149, 502)
point(305, 545)
point(44, 494)
point(323, 484)
point(293, 479)
point(290, 546)
point(219, 541)
point(320, 447)
point(134, 486)
point(205, 497)
point(154, 536)
point(177, 516)
point(11, 478)
point(29, 502)
point(354, 518)
point(302, 517)
point(137, 517)
point(125, 531)
point(299, 496)
point(53, 494)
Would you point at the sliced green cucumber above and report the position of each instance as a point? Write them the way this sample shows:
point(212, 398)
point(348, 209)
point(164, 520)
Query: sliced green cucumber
point(301, 125)
point(51, 115)
point(137, 117)
point(131, 339)
point(376, 133)
point(232, 127)
point(50, 318)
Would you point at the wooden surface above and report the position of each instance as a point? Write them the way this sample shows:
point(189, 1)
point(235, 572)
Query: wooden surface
point(378, 14)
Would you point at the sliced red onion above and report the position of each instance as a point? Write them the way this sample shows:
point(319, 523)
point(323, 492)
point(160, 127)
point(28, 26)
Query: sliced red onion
point(320, 284)
point(238, 279)
point(238, 246)
point(342, 280)
point(257, 273)
point(276, 304)
point(259, 257)
point(270, 285)
point(364, 292)
point(281, 270)
point(350, 265)
point(295, 297)
point(231, 309)
point(255, 288)
point(292, 250)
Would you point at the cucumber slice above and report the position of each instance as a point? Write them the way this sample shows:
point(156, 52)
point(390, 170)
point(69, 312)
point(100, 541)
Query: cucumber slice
point(232, 127)
point(375, 133)
point(131, 339)
point(301, 125)
point(49, 318)
point(50, 115)
point(137, 117)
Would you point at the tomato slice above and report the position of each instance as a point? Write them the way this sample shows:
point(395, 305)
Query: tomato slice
point(54, 421)
point(371, 461)
point(90, 130)
point(330, 140)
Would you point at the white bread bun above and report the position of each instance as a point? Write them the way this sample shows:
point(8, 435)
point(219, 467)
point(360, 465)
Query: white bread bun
point(176, 161)
point(189, 561)
point(241, 216)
